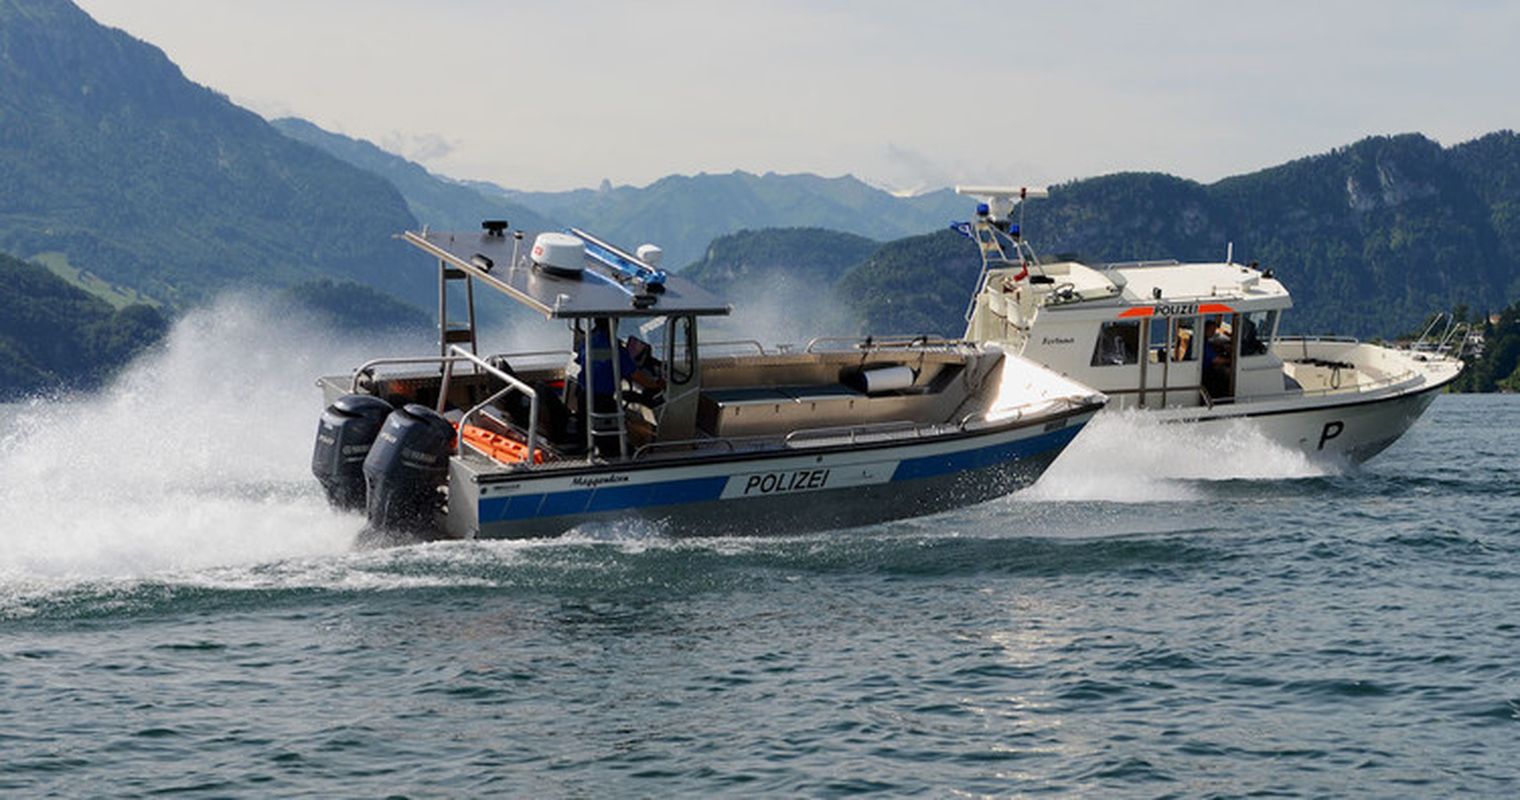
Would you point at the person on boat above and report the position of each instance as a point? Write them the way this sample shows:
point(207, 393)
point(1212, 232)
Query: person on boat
point(600, 377)
point(1216, 359)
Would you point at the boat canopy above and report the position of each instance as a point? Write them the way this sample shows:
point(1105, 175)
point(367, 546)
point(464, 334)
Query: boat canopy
point(501, 262)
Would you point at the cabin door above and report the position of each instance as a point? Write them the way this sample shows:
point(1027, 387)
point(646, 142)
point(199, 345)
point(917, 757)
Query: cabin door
point(1170, 371)
point(683, 381)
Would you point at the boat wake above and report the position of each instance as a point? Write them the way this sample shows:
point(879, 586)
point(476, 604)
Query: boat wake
point(196, 456)
point(1129, 457)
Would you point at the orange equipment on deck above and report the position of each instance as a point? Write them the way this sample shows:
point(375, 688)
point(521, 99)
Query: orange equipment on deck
point(502, 448)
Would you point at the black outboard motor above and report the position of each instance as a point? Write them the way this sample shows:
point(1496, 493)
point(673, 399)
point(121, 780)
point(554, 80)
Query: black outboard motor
point(404, 470)
point(344, 434)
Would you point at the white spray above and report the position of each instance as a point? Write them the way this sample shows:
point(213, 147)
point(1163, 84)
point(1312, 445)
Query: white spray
point(1130, 457)
point(197, 456)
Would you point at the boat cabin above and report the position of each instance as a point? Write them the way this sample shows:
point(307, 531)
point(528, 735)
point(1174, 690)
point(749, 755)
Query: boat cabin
point(1149, 334)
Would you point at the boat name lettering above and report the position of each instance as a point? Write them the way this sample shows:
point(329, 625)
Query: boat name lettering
point(1057, 340)
point(1176, 309)
point(598, 480)
point(782, 482)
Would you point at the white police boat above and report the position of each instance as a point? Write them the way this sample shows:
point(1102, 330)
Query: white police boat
point(702, 437)
point(1196, 342)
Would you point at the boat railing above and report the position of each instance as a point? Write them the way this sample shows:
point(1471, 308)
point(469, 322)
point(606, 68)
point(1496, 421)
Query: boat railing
point(368, 367)
point(892, 342)
point(735, 344)
point(455, 356)
point(893, 429)
point(1318, 338)
point(531, 354)
point(1158, 262)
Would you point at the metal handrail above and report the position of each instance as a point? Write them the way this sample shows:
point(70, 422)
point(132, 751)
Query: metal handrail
point(513, 384)
point(533, 354)
point(731, 342)
point(1159, 262)
point(895, 341)
point(1318, 338)
point(853, 430)
point(674, 443)
point(458, 354)
point(360, 371)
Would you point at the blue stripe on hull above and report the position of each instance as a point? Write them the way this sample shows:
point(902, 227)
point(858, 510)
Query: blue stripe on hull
point(945, 463)
point(696, 490)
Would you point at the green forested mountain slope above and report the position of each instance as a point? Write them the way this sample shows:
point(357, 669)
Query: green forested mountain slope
point(437, 202)
point(53, 335)
point(1370, 238)
point(807, 254)
point(109, 156)
point(1498, 368)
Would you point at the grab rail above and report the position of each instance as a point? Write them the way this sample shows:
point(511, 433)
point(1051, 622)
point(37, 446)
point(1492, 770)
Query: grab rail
point(513, 384)
point(362, 369)
point(456, 355)
point(853, 430)
point(897, 341)
point(732, 342)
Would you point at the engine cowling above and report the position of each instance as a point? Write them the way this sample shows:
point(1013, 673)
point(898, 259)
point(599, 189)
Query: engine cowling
point(345, 433)
point(404, 471)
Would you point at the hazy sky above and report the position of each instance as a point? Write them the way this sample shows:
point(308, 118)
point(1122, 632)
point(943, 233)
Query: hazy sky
point(553, 95)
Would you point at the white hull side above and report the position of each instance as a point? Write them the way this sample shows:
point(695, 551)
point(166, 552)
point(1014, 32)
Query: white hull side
point(1349, 431)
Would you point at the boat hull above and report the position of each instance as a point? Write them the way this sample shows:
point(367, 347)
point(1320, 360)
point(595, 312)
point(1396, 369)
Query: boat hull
point(792, 491)
point(1345, 430)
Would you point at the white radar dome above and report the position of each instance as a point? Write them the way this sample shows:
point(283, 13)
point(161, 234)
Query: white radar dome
point(559, 253)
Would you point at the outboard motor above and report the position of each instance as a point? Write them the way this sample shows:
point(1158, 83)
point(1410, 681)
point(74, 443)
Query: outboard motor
point(404, 470)
point(344, 434)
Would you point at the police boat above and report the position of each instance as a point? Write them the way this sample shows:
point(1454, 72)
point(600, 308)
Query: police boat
point(641, 418)
point(1197, 342)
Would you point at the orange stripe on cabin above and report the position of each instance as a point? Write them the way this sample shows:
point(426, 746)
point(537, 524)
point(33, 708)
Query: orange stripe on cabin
point(1215, 308)
point(1138, 311)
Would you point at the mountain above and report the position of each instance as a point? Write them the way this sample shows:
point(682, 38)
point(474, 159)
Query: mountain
point(115, 164)
point(811, 255)
point(682, 213)
point(1370, 238)
point(921, 284)
point(54, 335)
point(435, 201)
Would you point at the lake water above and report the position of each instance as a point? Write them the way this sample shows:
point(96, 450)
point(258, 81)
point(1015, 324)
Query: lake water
point(180, 614)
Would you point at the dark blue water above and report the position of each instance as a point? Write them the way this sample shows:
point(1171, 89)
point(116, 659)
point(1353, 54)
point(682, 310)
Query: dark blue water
point(1282, 632)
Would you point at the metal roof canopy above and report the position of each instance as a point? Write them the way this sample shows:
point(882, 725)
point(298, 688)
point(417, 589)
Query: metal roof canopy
point(597, 293)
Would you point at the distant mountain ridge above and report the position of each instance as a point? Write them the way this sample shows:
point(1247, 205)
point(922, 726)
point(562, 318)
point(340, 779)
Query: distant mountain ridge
point(1370, 238)
point(434, 200)
point(110, 157)
point(680, 213)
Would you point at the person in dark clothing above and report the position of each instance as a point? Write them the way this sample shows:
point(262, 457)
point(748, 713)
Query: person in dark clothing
point(600, 375)
point(1216, 360)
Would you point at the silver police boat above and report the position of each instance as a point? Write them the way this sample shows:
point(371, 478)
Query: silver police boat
point(641, 419)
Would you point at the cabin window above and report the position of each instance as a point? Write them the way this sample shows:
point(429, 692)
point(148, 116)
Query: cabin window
point(683, 349)
point(1185, 339)
point(1118, 344)
point(1256, 329)
point(1160, 336)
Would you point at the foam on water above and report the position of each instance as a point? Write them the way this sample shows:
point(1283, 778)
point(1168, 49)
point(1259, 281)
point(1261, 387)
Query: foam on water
point(197, 456)
point(1130, 457)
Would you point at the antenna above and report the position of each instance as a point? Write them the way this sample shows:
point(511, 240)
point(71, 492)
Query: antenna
point(1000, 199)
